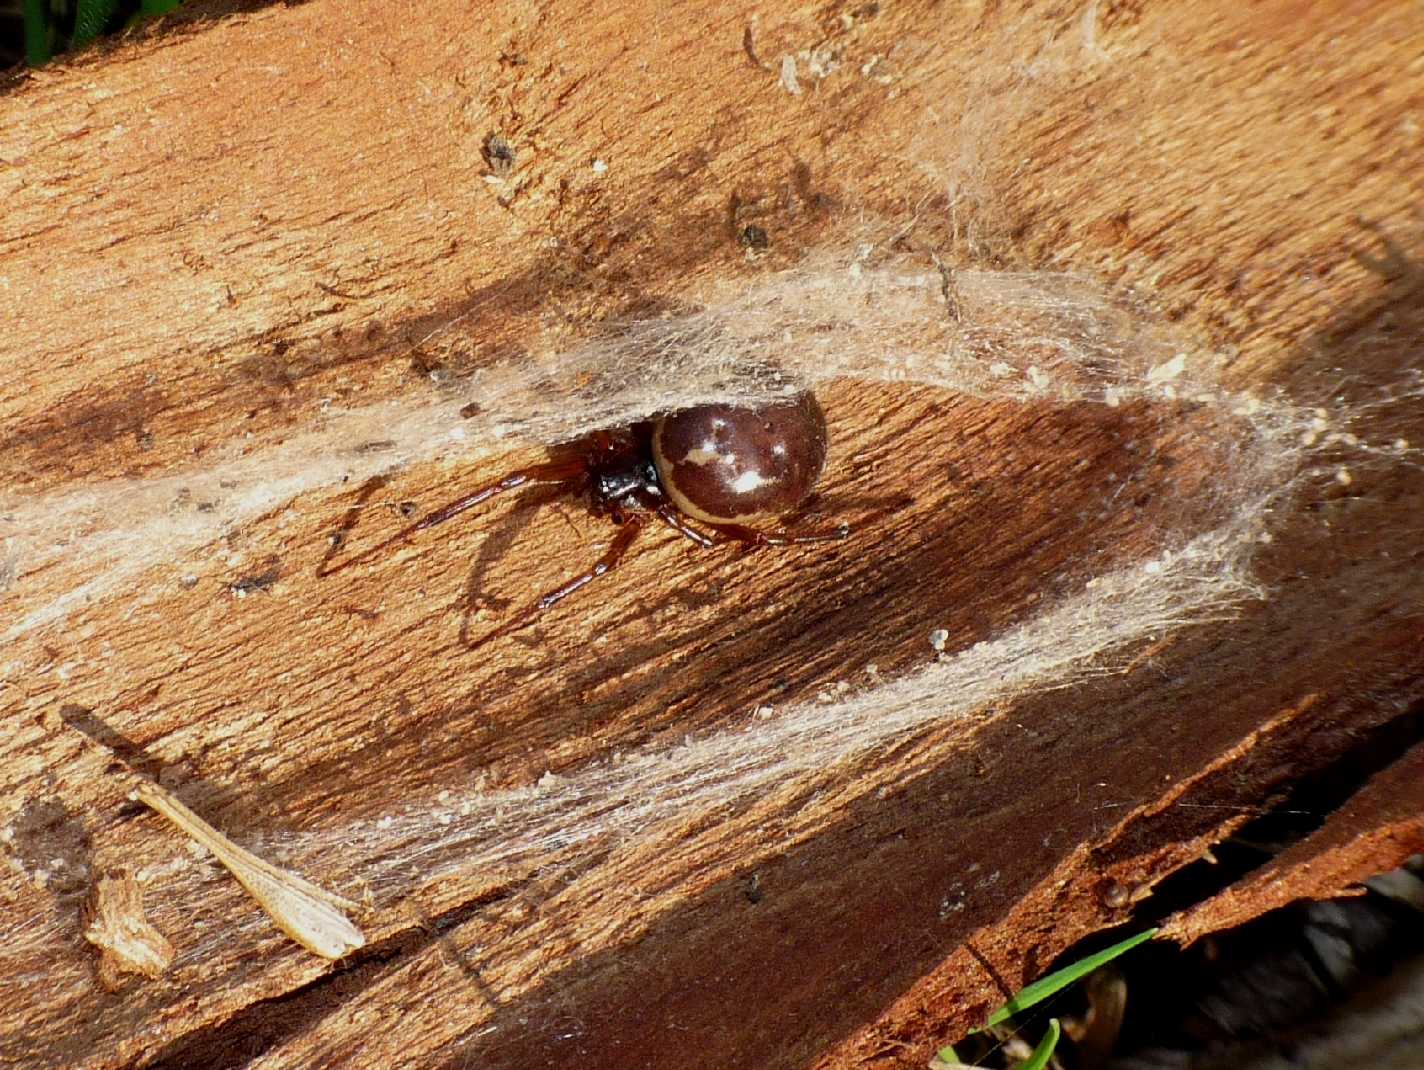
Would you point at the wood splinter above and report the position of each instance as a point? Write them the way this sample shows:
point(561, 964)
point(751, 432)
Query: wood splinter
point(127, 940)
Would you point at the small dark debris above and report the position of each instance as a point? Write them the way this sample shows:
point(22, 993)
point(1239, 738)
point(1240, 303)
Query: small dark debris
point(1114, 895)
point(754, 237)
point(407, 509)
point(375, 446)
point(498, 154)
point(257, 581)
point(206, 507)
point(813, 199)
point(426, 365)
point(472, 409)
point(949, 290)
point(749, 47)
point(333, 291)
point(752, 889)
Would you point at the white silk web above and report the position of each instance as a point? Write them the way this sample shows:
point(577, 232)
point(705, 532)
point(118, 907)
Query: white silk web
point(1005, 335)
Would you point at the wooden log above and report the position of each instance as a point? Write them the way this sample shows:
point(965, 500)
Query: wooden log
point(1329, 859)
point(275, 275)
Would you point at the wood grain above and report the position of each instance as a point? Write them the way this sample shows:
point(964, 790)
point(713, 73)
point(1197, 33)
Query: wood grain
point(215, 228)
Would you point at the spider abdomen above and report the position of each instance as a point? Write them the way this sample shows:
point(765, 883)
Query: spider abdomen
point(726, 464)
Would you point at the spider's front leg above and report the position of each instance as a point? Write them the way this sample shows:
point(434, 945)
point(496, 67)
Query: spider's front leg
point(610, 560)
point(572, 471)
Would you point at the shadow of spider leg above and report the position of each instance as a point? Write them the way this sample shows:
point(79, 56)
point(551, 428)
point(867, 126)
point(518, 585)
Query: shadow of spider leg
point(573, 472)
point(604, 565)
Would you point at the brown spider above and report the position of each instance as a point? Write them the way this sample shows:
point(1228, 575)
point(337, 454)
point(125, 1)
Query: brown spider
point(704, 472)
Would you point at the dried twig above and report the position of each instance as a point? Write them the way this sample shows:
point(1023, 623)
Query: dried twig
point(310, 915)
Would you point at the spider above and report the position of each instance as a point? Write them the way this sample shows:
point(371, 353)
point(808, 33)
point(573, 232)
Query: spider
point(705, 472)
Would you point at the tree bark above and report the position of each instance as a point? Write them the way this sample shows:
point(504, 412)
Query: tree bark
point(222, 233)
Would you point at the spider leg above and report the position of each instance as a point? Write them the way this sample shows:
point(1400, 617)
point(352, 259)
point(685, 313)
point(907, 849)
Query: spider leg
point(669, 515)
point(605, 564)
point(568, 471)
point(749, 537)
point(553, 472)
point(753, 538)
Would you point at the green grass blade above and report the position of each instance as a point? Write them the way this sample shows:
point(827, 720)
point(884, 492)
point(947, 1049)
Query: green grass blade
point(1060, 979)
point(37, 48)
point(1041, 1054)
point(90, 20)
point(946, 1056)
point(151, 9)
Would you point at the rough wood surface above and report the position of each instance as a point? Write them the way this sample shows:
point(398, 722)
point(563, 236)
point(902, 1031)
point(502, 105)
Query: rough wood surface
point(214, 230)
point(1384, 820)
